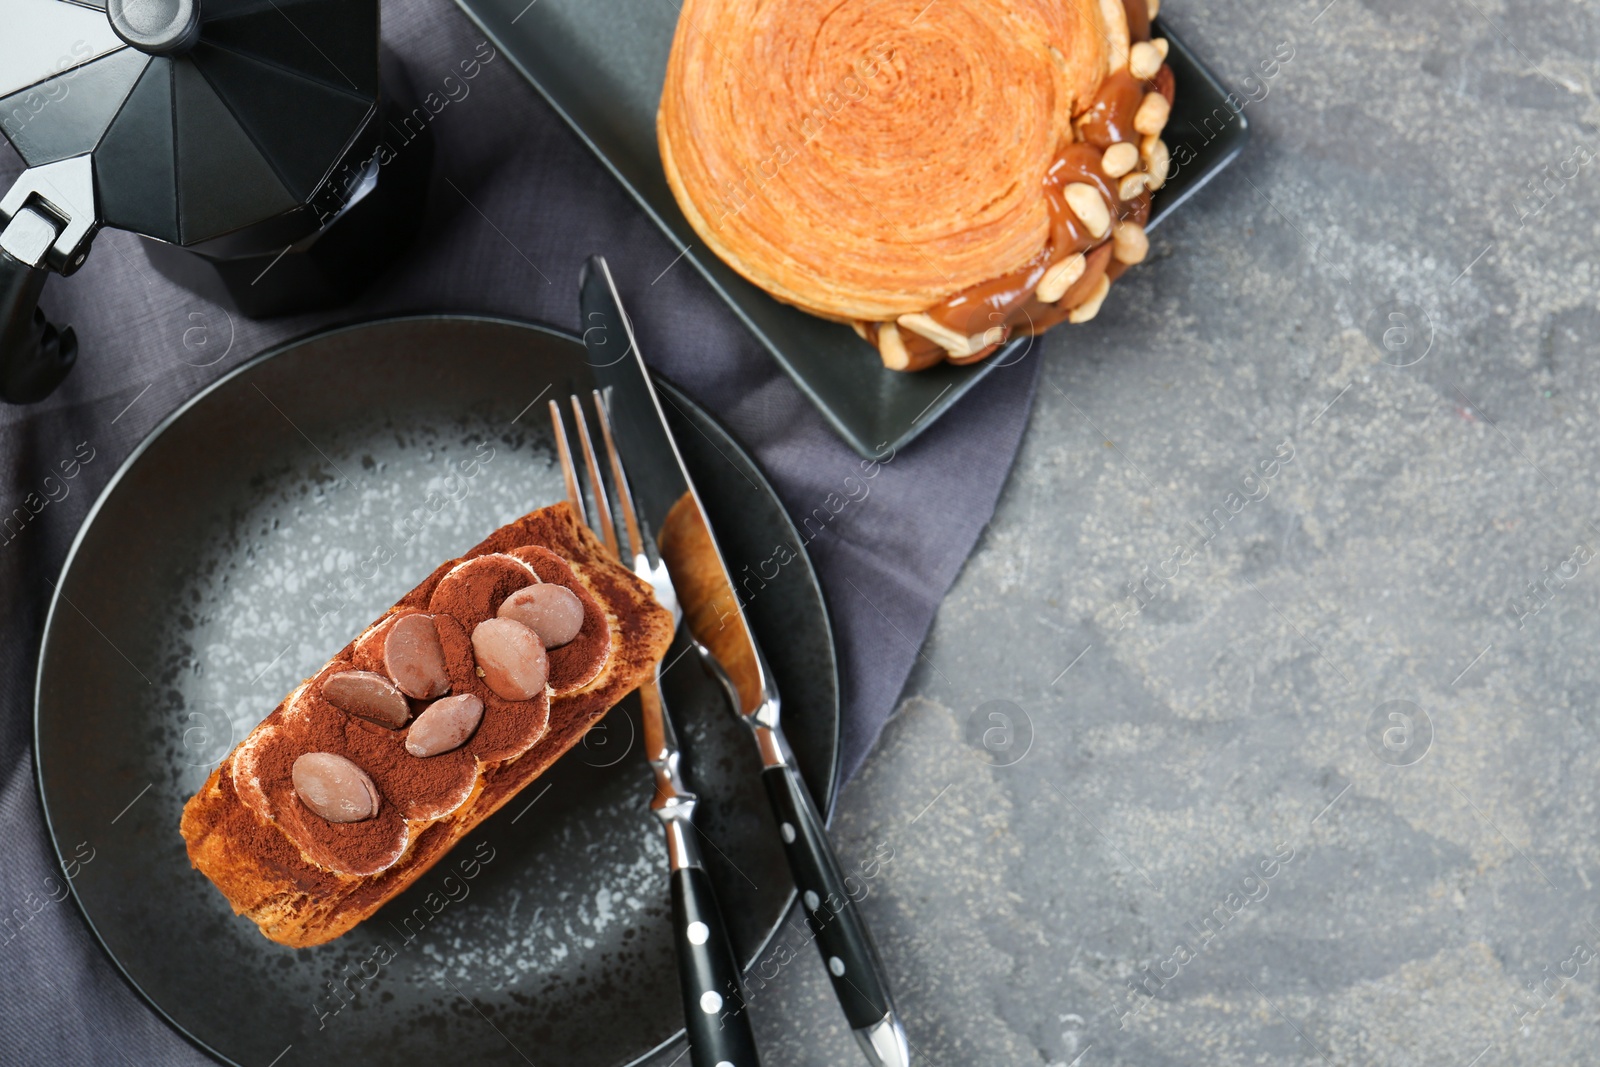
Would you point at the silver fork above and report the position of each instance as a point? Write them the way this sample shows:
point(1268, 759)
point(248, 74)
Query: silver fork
point(708, 975)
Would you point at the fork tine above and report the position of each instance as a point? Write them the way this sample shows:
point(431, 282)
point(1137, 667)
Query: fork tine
point(630, 518)
point(568, 470)
point(597, 485)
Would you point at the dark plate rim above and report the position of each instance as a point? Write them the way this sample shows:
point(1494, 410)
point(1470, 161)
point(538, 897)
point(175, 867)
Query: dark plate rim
point(182, 409)
point(974, 372)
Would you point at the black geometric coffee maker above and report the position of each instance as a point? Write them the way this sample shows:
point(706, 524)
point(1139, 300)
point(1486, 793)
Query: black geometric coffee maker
point(241, 137)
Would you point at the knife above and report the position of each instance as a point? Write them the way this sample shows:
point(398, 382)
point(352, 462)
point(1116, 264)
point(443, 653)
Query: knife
point(667, 502)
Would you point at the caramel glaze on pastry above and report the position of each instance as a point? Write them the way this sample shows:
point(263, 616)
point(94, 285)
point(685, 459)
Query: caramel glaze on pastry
point(942, 176)
point(336, 801)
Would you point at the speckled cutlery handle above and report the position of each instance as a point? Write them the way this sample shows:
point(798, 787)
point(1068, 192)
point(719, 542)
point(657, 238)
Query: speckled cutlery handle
point(841, 934)
point(713, 1007)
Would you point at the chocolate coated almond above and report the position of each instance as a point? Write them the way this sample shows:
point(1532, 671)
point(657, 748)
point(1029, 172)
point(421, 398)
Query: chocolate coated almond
point(334, 788)
point(510, 658)
point(552, 611)
point(414, 658)
point(369, 695)
point(444, 725)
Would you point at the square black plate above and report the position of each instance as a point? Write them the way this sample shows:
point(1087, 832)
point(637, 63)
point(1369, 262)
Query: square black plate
point(601, 64)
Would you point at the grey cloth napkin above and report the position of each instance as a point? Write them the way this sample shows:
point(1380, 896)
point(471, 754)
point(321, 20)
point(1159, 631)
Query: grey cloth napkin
point(517, 204)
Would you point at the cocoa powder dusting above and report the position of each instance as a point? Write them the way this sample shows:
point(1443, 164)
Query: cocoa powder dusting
point(411, 788)
point(575, 663)
point(509, 727)
point(256, 862)
point(473, 591)
point(312, 724)
point(354, 847)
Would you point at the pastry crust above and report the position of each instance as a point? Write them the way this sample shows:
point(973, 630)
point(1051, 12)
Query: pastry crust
point(297, 901)
point(871, 161)
point(865, 159)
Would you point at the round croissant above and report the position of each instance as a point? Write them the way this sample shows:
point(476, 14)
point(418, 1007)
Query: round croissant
point(871, 160)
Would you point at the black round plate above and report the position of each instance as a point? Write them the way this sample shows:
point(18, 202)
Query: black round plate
point(256, 530)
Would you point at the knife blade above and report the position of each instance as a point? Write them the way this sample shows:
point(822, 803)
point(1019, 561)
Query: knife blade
point(669, 504)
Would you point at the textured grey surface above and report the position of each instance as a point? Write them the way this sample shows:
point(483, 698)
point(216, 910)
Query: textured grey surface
point(1229, 715)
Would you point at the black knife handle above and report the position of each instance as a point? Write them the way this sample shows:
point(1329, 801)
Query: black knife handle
point(841, 934)
point(714, 1011)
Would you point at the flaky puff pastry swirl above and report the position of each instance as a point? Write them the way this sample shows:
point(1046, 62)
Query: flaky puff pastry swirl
point(866, 159)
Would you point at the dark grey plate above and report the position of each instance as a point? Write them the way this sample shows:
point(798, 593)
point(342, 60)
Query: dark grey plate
point(601, 63)
point(230, 557)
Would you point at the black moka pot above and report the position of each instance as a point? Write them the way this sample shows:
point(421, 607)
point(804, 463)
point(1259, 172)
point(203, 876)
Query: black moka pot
point(239, 136)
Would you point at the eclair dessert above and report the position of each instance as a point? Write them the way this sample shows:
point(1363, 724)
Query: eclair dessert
point(943, 176)
point(419, 729)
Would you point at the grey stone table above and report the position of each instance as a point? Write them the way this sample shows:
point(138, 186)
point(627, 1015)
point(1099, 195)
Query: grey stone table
point(1287, 606)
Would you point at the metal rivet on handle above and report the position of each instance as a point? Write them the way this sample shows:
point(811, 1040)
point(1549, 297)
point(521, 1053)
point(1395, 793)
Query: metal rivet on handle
point(698, 932)
point(788, 833)
point(710, 1002)
point(836, 965)
point(813, 902)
